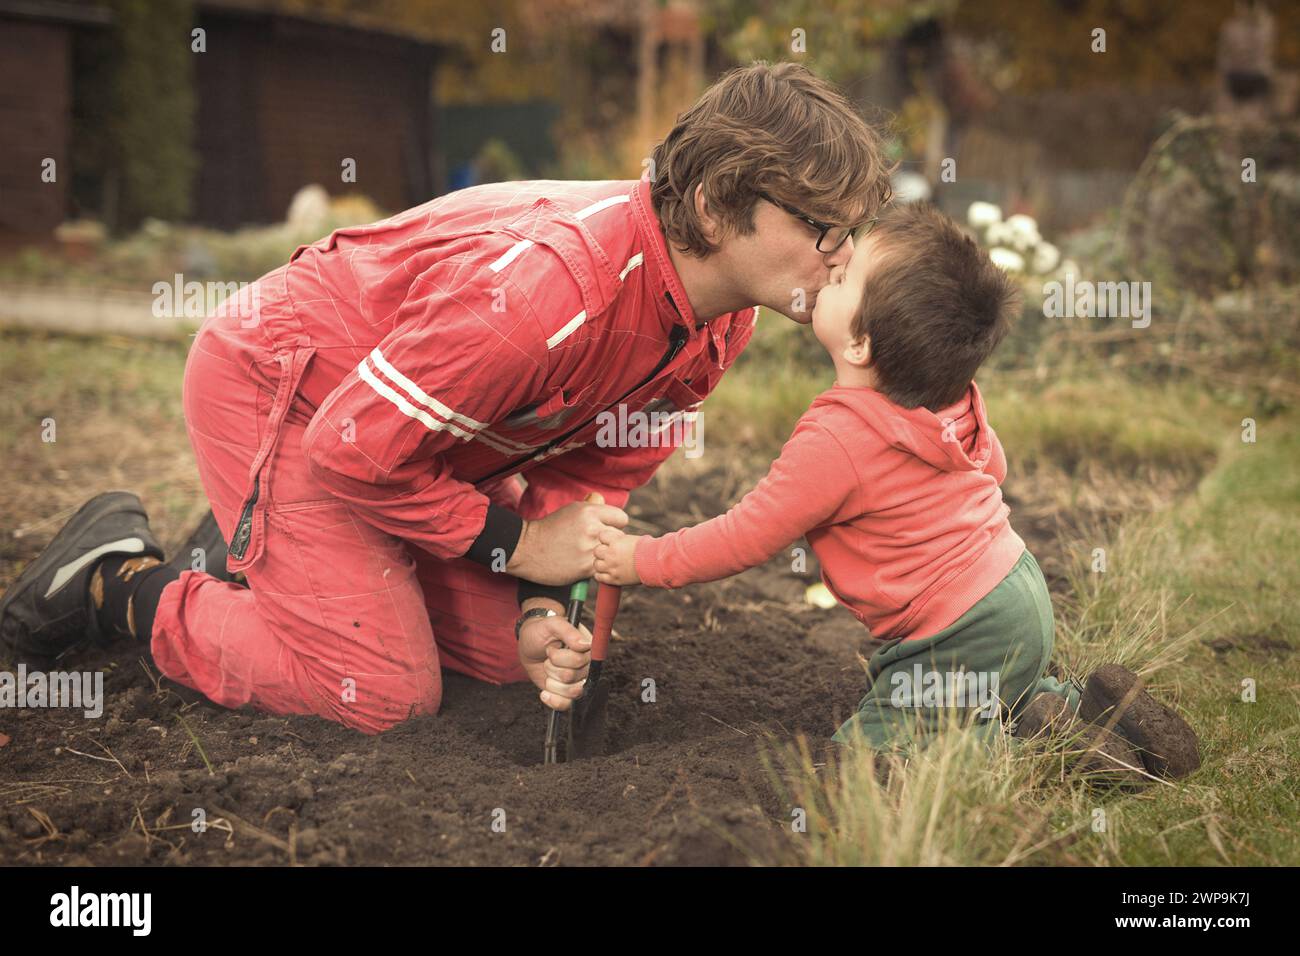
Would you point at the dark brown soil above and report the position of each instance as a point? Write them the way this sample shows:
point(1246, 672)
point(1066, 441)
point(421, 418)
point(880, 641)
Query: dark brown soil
point(738, 666)
point(735, 665)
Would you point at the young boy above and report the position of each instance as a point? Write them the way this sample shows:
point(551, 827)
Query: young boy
point(893, 476)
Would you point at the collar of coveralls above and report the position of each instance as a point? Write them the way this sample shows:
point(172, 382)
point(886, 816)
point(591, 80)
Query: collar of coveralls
point(674, 307)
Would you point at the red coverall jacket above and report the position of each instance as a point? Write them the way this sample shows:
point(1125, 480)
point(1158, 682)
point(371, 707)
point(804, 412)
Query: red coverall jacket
point(356, 417)
point(480, 335)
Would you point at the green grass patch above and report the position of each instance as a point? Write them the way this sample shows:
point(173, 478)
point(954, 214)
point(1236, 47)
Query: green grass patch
point(1106, 420)
point(81, 415)
point(1222, 568)
point(50, 375)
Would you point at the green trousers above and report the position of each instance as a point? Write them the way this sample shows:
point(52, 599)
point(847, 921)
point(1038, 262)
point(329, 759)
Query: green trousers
point(977, 672)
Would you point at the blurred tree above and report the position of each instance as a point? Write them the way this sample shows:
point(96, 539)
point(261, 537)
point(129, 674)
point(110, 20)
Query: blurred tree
point(135, 114)
point(480, 71)
point(1150, 44)
point(841, 39)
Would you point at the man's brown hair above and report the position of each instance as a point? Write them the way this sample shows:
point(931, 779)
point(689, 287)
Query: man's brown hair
point(778, 129)
point(935, 307)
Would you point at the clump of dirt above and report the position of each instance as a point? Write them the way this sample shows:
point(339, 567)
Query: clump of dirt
point(1252, 643)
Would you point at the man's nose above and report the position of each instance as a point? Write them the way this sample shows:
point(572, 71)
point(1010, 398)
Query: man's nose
point(842, 255)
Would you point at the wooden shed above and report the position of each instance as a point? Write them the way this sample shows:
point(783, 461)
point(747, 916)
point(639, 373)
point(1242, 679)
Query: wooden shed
point(35, 112)
point(284, 100)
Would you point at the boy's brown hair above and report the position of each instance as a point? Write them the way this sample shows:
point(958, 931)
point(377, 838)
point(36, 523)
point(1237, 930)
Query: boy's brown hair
point(778, 129)
point(935, 307)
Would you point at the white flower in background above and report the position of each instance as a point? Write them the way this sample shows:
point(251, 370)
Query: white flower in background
point(999, 234)
point(910, 187)
point(1007, 260)
point(1045, 258)
point(981, 215)
point(1069, 268)
point(1014, 243)
point(309, 208)
point(1024, 232)
point(819, 595)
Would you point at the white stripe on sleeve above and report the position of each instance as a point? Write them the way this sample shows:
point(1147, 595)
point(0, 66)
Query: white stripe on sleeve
point(632, 263)
point(418, 394)
point(510, 255)
point(406, 407)
point(567, 329)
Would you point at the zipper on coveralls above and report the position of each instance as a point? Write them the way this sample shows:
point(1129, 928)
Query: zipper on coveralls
point(244, 530)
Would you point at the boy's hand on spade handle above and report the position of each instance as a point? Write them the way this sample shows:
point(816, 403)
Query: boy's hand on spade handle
point(615, 557)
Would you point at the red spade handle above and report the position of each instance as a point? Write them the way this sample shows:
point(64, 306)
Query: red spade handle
point(607, 598)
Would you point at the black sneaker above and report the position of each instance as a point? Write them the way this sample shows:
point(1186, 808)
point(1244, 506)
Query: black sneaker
point(1114, 697)
point(207, 540)
point(48, 610)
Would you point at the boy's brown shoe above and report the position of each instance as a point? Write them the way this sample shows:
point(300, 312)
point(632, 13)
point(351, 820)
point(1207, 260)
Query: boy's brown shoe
point(1045, 715)
point(1108, 757)
point(1114, 697)
point(1104, 756)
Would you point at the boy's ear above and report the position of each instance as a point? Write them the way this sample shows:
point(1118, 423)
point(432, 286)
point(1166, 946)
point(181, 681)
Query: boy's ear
point(858, 352)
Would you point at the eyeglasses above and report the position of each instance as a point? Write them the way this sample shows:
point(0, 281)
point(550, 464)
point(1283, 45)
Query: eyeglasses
point(830, 237)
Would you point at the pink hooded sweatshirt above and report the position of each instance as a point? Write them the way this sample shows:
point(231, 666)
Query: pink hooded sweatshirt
point(902, 507)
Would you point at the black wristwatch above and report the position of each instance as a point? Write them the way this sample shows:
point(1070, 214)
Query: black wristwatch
point(531, 613)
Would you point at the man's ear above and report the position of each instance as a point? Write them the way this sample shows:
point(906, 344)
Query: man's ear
point(708, 224)
point(858, 352)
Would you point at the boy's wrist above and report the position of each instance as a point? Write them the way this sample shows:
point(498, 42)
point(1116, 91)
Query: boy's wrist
point(643, 561)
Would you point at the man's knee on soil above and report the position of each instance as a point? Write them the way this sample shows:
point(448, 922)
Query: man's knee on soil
point(372, 706)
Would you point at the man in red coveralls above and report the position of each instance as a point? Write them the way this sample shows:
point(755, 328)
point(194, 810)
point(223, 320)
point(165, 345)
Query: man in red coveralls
point(360, 416)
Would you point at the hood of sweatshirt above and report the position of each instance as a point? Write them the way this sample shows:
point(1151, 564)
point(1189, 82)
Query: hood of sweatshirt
point(956, 438)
